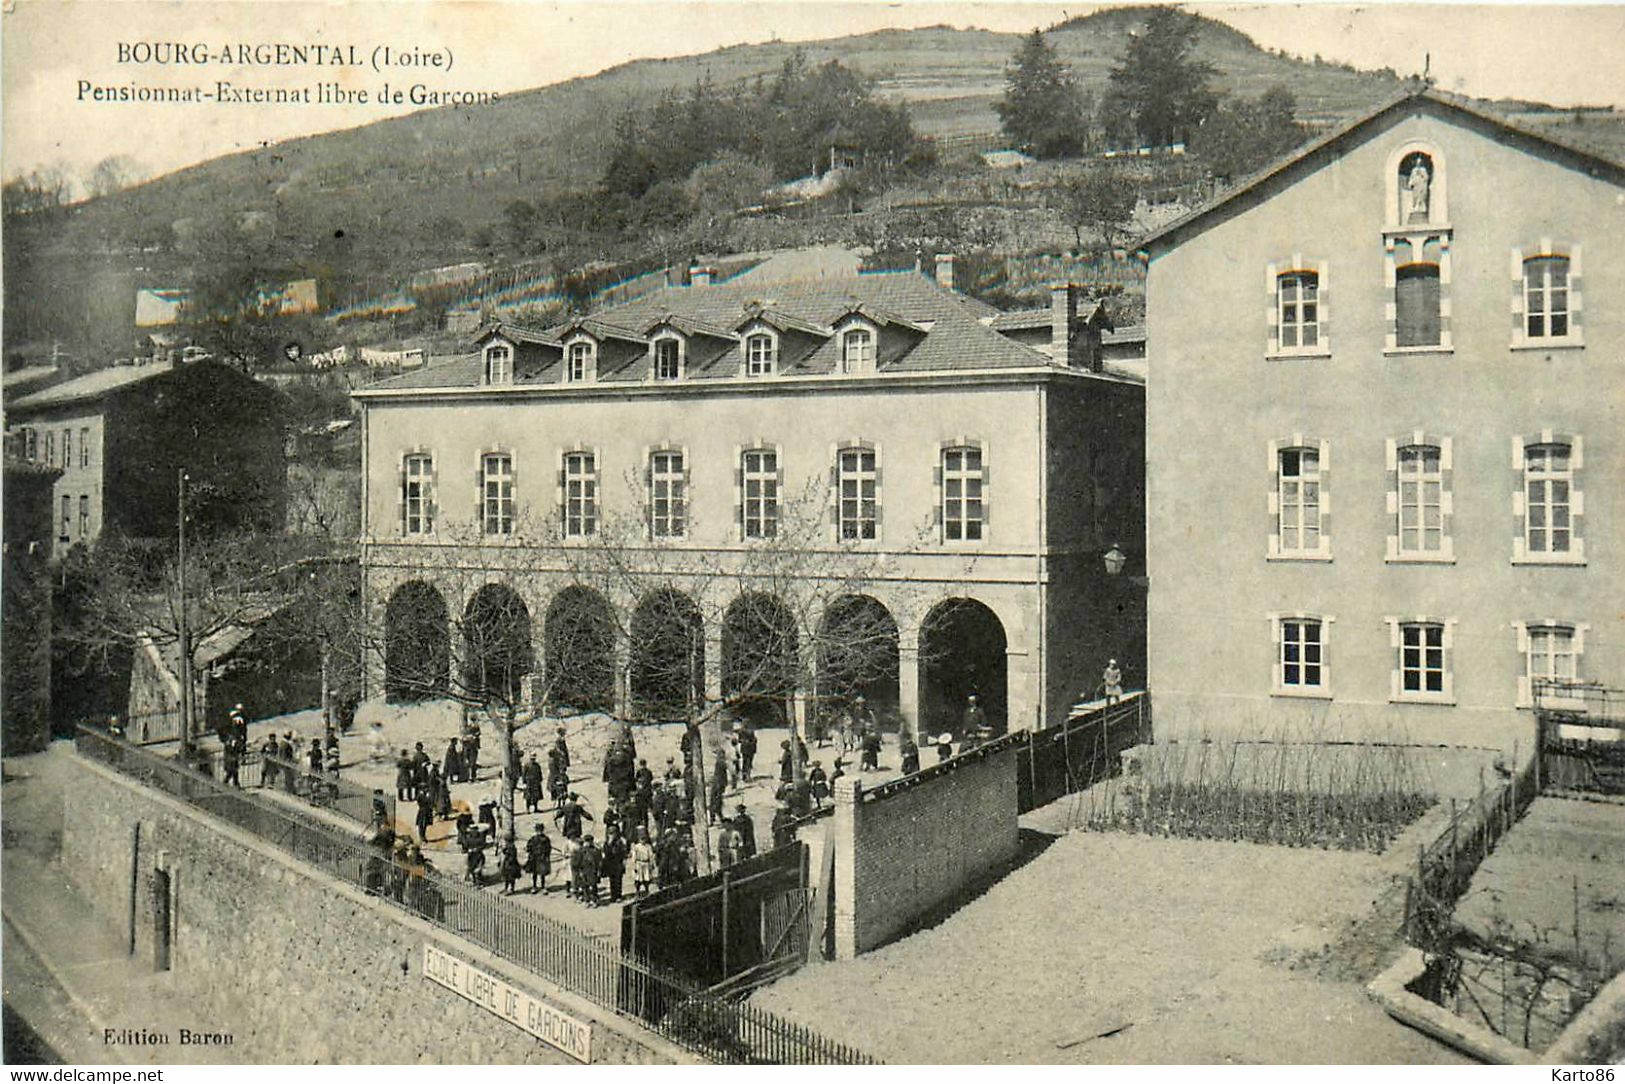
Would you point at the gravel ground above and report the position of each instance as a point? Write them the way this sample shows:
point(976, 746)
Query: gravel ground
point(1185, 945)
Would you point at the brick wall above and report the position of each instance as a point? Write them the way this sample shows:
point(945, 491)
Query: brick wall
point(903, 852)
point(298, 966)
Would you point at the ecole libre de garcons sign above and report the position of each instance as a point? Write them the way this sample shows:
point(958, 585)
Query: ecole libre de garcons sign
point(555, 1028)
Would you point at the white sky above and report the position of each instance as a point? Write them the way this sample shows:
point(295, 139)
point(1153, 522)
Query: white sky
point(1562, 55)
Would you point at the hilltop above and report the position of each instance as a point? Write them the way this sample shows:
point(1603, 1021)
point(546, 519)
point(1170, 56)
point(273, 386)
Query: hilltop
point(429, 189)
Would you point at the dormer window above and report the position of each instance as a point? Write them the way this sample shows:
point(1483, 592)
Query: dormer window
point(668, 358)
point(761, 354)
point(499, 364)
point(858, 351)
point(578, 361)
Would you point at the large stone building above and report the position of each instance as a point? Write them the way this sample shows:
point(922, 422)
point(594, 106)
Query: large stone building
point(873, 437)
point(1385, 407)
point(119, 437)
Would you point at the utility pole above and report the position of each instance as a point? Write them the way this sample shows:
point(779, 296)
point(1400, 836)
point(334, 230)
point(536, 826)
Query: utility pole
point(184, 634)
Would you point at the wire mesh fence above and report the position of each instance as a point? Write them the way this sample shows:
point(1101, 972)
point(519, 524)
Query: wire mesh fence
point(714, 1028)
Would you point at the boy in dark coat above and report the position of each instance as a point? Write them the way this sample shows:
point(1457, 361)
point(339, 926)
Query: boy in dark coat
point(612, 862)
point(538, 859)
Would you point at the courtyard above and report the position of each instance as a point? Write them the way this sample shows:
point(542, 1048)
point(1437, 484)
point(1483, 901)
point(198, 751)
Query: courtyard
point(1185, 951)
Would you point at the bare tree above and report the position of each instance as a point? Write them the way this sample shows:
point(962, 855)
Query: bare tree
point(114, 173)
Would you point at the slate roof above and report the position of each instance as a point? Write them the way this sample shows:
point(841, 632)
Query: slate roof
point(94, 385)
point(936, 329)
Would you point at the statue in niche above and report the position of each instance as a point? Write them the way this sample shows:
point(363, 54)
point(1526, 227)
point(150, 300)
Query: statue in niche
point(1418, 181)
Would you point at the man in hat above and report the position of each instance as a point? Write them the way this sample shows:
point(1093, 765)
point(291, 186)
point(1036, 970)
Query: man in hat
point(558, 773)
point(945, 746)
point(871, 749)
point(269, 752)
point(1112, 679)
point(531, 777)
point(612, 862)
point(239, 726)
point(425, 813)
point(563, 750)
point(538, 858)
point(747, 832)
point(231, 760)
point(451, 765)
point(673, 772)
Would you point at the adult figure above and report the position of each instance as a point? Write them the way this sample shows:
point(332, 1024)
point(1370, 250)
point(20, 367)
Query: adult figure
point(643, 780)
point(231, 762)
point(974, 717)
point(818, 782)
point(538, 858)
point(558, 773)
point(728, 846)
point(747, 832)
point(612, 862)
point(747, 752)
point(718, 785)
point(911, 754)
point(441, 789)
point(1112, 679)
point(425, 814)
point(562, 748)
point(451, 765)
point(784, 832)
point(290, 766)
point(871, 749)
point(268, 761)
point(787, 769)
point(405, 777)
point(532, 779)
point(945, 746)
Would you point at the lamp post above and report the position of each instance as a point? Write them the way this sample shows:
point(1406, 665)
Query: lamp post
point(183, 632)
point(1115, 560)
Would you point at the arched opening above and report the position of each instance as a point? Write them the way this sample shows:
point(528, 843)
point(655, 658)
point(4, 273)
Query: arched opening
point(580, 651)
point(667, 655)
point(759, 653)
point(417, 644)
point(962, 653)
point(857, 656)
point(496, 642)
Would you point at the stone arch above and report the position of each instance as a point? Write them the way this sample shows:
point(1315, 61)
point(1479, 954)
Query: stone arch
point(667, 655)
point(760, 653)
point(857, 653)
point(962, 652)
point(496, 644)
point(417, 644)
point(579, 650)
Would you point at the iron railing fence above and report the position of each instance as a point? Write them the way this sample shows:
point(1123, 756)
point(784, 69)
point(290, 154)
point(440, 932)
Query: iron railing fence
point(714, 1028)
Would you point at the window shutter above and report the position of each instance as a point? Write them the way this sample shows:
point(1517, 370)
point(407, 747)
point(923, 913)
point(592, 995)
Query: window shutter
point(1390, 458)
point(1272, 308)
point(936, 483)
point(1323, 305)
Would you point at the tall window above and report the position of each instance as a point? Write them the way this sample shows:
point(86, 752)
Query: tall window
point(30, 444)
point(962, 494)
point(1299, 500)
point(759, 475)
point(1302, 658)
point(1421, 658)
point(668, 501)
point(1546, 297)
point(84, 517)
point(578, 362)
point(496, 497)
point(1551, 656)
point(67, 448)
point(761, 354)
point(1421, 484)
point(498, 364)
point(84, 446)
point(1298, 298)
point(1416, 300)
point(668, 359)
point(857, 482)
point(858, 351)
point(50, 447)
point(417, 494)
point(67, 518)
point(1548, 478)
point(580, 495)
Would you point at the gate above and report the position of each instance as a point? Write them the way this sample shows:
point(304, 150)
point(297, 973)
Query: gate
point(732, 930)
point(1582, 737)
point(1080, 752)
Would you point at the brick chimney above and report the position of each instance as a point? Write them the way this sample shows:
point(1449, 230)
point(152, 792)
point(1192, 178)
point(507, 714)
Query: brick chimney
point(1074, 342)
point(945, 270)
point(699, 276)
